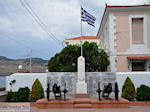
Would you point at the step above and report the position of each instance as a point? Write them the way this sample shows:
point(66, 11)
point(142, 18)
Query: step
point(82, 101)
point(81, 95)
point(82, 105)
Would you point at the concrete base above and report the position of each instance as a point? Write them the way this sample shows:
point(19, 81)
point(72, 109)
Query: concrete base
point(83, 103)
point(81, 88)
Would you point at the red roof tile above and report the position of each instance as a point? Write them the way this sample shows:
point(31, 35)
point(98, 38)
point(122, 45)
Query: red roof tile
point(84, 38)
point(125, 5)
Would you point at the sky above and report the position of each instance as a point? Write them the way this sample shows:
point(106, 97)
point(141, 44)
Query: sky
point(19, 32)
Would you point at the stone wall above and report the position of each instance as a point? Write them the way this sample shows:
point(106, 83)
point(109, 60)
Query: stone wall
point(70, 78)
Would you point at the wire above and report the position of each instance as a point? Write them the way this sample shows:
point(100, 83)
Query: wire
point(41, 20)
point(20, 43)
point(38, 20)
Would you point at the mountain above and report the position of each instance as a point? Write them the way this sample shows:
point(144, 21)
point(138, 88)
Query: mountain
point(3, 58)
point(9, 66)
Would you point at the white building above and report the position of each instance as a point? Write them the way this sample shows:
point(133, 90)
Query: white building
point(76, 40)
point(124, 32)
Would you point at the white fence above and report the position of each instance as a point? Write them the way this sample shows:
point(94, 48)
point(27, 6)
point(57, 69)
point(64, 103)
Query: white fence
point(27, 79)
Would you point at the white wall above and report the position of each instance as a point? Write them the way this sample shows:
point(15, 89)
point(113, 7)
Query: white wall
point(25, 80)
point(138, 78)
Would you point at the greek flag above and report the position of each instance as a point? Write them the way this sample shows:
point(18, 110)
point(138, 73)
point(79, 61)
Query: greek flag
point(85, 16)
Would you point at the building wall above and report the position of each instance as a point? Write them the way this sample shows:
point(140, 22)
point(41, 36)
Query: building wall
point(112, 42)
point(104, 36)
point(123, 30)
point(124, 46)
point(77, 42)
point(108, 41)
point(122, 64)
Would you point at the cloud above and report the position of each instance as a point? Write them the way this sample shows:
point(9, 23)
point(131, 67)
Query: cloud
point(62, 17)
point(4, 23)
point(58, 16)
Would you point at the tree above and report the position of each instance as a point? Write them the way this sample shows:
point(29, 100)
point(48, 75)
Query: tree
point(66, 61)
point(37, 91)
point(128, 90)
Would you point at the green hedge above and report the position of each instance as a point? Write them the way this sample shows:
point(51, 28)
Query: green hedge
point(128, 90)
point(22, 95)
point(143, 93)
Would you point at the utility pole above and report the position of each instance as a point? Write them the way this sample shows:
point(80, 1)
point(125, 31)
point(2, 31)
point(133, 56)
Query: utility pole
point(30, 60)
point(30, 56)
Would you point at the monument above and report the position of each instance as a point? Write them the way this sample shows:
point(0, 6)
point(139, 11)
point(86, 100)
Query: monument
point(81, 84)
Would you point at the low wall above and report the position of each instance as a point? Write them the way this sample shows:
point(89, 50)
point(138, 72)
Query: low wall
point(92, 79)
point(25, 80)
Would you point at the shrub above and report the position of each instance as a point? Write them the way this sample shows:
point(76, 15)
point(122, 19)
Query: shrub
point(22, 95)
point(128, 90)
point(10, 96)
point(143, 93)
point(37, 91)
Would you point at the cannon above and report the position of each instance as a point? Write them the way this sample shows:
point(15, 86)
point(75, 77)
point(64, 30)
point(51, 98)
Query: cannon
point(56, 91)
point(107, 90)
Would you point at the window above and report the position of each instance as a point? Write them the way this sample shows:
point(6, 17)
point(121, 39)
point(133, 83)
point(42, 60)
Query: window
point(137, 31)
point(138, 65)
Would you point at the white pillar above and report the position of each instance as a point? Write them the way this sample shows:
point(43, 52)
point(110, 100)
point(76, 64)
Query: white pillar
point(81, 84)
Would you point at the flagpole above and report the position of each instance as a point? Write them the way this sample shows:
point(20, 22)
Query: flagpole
point(81, 31)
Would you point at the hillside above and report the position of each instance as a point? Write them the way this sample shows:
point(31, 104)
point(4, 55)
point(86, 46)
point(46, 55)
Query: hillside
point(9, 66)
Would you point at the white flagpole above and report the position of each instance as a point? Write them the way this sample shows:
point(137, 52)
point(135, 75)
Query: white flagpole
point(81, 33)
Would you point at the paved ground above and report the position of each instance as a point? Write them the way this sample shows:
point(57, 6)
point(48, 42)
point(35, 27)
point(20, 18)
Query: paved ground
point(130, 109)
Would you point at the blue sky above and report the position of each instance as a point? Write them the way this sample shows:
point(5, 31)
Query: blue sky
point(19, 32)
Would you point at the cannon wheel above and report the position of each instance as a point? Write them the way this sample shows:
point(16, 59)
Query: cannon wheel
point(116, 91)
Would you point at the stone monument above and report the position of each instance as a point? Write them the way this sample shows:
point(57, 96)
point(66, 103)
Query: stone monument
point(81, 84)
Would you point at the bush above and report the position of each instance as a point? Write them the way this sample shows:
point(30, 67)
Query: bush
point(10, 96)
point(22, 95)
point(37, 91)
point(143, 93)
point(128, 90)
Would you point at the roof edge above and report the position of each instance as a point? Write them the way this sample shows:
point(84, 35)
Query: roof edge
point(76, 38)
